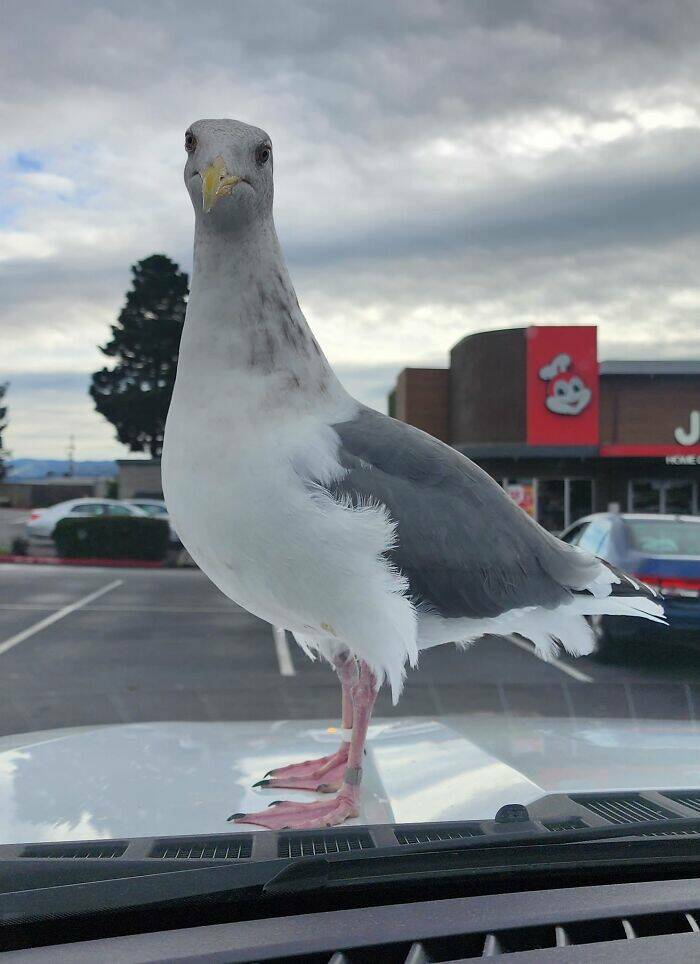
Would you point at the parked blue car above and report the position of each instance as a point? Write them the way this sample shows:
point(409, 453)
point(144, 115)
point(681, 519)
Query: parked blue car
point(661, 550)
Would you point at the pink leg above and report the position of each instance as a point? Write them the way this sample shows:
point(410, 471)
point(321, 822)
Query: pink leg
point(324, 774)
point(287, 815)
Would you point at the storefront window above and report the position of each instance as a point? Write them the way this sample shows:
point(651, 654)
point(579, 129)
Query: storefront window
point(679, 498)
point(580, 501)
point(555, 503)
point(551, 511)
point(645, 496)
point(654, 495)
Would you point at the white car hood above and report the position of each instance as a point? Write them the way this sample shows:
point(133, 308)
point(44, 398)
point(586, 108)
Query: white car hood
point(155, 779)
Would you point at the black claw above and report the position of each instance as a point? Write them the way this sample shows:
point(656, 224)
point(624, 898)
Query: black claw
point(269, 773)
point(262, 783)
point(275, 802)
point(234, 816)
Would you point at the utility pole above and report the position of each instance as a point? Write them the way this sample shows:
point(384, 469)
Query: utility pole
point(71, 457)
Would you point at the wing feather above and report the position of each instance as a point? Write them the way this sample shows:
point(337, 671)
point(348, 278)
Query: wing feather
point(465, 547)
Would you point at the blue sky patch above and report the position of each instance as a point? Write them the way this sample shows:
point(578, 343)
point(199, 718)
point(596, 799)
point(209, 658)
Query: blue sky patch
point(28, 162)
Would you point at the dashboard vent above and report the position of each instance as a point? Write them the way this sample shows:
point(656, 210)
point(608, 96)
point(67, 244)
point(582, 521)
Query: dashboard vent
point(309, 844)
point(466, 947)
point(623, 807)
point(218, 848)
point(689, 798)
point(420, 833)
point(76, 851)
point(566, 823)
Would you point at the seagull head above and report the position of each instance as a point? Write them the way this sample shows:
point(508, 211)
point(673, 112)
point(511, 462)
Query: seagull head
point(228, 172)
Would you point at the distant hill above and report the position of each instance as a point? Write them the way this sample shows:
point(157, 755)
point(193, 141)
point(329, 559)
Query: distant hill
point(27, 470)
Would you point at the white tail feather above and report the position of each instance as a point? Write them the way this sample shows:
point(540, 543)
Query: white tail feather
point(566, 624)
point(621, 606)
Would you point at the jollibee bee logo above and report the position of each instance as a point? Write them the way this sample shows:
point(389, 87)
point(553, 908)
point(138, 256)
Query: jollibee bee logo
point(567, 393)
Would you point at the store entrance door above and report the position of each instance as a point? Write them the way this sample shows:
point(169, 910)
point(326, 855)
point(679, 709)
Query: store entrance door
point(663, 496)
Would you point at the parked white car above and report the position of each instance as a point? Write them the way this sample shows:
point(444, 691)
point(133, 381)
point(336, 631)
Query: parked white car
point(42, 522)
point(158, 510)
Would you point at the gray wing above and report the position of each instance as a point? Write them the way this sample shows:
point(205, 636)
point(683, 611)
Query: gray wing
point(465, 547)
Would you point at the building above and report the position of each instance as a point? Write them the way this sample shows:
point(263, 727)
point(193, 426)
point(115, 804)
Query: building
point(139, 478)
point(564, 433)
point(39, 493)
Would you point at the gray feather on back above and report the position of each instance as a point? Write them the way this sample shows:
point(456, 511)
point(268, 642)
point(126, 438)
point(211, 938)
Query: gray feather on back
point(465, 547)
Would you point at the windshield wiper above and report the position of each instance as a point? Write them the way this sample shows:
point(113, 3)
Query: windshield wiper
point(151, 889)
point(433, 858)
point(515, 851)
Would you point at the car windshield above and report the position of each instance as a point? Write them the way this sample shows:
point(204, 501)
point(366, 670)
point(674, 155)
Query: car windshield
point(666, 537)
point(349, 422)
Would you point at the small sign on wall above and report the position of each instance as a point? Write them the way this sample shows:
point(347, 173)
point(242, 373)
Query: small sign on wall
point(523, 494)
point(562, 385)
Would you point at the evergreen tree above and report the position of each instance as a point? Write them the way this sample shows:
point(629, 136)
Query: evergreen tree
point(3, 425)
point(134, 395)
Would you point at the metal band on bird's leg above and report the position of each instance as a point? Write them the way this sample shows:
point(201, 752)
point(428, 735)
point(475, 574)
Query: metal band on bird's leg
point(353, 776)
point(346, 734)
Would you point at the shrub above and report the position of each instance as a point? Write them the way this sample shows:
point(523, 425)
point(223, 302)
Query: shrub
point(19, 546)
point(115, 537)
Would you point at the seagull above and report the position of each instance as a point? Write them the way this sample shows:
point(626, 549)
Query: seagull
point(366, 538)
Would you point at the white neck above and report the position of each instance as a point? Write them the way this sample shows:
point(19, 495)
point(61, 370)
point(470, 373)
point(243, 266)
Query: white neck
point(243, 316)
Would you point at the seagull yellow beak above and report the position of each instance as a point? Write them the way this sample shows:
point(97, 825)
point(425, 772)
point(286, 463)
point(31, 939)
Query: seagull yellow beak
point(216, 182)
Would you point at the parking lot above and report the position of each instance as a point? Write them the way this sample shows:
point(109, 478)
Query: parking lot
point(86, 645)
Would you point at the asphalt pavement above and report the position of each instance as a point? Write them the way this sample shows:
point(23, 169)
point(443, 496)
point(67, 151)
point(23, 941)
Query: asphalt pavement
point(85, 646)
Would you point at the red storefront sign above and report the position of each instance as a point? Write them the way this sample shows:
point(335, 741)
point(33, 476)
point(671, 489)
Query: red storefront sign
point(562, 385)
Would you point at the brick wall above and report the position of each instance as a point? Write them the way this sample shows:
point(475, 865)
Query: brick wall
point(644, 409)
point(487, 387)
point(421, 399)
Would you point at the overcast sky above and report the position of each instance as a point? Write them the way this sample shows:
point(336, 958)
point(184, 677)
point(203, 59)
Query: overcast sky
point(440, 168)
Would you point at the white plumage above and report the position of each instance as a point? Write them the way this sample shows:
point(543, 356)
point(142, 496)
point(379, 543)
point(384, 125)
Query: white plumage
point(361, 535)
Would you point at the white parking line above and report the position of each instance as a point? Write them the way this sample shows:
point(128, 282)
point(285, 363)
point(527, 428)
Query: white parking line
point(59, 614)
point(284, 657)
point(556, 663)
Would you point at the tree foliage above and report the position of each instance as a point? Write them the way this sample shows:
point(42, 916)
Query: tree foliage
point(3, 425)
point(135, 395)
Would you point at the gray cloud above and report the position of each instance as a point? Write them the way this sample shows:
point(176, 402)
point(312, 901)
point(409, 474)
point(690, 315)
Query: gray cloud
point(440, 167)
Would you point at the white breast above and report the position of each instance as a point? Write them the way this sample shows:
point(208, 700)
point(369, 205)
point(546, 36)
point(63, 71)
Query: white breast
point(243, 500)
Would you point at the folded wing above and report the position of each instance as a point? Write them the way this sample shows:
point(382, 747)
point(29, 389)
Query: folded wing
point(465, 547)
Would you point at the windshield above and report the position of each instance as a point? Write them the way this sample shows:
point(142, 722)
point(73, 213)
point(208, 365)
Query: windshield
point(321, 323)
point(665, 537)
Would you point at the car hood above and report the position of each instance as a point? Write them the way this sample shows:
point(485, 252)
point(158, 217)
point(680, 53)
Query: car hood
point(154, 779)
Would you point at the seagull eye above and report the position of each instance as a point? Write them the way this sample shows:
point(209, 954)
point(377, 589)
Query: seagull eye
point(190, 142)
point(262, 154)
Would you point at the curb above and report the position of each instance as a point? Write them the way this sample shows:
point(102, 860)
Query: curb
point(107, 563)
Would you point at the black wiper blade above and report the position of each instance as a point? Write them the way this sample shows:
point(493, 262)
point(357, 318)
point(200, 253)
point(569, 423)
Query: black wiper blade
point(316, 872)
point(129, 893)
